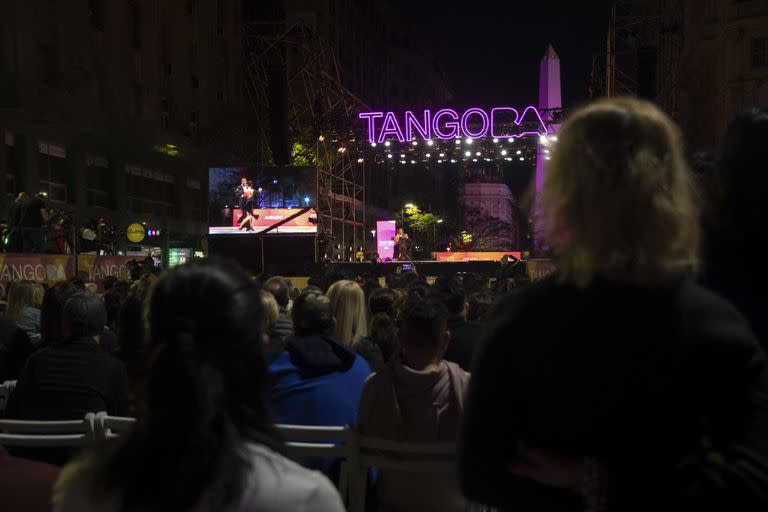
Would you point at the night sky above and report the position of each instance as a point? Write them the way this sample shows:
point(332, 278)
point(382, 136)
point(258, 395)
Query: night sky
point(490, 50)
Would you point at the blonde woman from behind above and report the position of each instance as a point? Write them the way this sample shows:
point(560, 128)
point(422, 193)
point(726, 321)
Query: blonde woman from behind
point(351, 329)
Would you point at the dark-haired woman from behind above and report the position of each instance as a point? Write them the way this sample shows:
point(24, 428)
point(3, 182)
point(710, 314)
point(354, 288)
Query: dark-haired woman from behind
point(204, 440)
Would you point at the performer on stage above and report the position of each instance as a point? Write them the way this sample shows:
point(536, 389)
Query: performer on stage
point(402, 245)
point(248, 217)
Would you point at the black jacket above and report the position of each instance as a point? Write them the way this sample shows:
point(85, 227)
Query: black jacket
point(465, 337)
point(15, 348)
point(371, 352)
point(636, 377)
point(67, 380)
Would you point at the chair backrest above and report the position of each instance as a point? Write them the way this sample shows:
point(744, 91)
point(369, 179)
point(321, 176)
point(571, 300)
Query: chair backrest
point(6, 388)
point(384, 454)
point(318, 441)
point(29, 433)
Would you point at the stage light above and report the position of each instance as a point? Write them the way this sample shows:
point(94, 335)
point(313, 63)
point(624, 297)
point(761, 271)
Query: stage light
point(468, 141)
point(321, 138)
point(387, 143)
point(522, 158)
point(409, 205)
point(389, 155)
point(547, 158)
point(415, 143)
point(439, 221)
point(477, 153)
point(274, 182)
point(428, 155)
point(503, 152)
point(554, 138)
point(430, 143)
point(402, 156)
point(342, 149)
point(402, 161)
point(510, 139)
point(442, 155)
point(306, 200)
point(457, 142)
point(474, 159)
point(373, 232)
point(439, 161)
point(453, 161)
point(359, 160)
point(495, 140)
point(543, 139)
point(260, 190)
point(413, 161)
point(518, 152)
point(468, 153)
point(546, 151)
point(373, 144)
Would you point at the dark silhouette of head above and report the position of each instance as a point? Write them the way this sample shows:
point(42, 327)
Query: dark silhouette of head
point(424, 332)
point(51, 328)
point(204, 395)
point(312, 314)
point(383, 300)
point(84, 315)
point(280, 288)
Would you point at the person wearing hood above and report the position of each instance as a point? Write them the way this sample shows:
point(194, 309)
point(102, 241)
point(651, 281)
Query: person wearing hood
point(417, 398)
point(316, 379)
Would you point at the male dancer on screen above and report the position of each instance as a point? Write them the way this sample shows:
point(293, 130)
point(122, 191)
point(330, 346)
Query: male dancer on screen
point(240, 190)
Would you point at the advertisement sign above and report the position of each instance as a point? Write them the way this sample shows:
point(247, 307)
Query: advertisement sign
point(539, 269)
point(385, 232)
point(475, 256)
point(135, 233)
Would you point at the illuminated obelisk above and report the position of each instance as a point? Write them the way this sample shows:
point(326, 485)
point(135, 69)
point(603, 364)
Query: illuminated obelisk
point(550, 101)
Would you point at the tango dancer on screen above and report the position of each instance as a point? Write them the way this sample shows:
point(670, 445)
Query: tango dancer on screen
point(248, 218)
point(240, 189)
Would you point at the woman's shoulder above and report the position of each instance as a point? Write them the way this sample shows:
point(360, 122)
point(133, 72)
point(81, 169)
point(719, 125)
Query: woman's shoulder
point(278, 483)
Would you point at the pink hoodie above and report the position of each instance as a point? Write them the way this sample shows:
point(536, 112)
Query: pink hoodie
point(403, 404)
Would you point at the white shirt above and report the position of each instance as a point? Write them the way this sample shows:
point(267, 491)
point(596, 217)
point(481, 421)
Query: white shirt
point(275, 484)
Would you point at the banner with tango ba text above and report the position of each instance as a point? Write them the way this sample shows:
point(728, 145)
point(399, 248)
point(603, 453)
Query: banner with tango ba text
point(539, 269)
point(43, 268)
point(92, 268)
point(52, 268)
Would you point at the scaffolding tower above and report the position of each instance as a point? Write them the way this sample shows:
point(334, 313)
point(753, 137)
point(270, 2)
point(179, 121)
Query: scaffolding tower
point(320, 113)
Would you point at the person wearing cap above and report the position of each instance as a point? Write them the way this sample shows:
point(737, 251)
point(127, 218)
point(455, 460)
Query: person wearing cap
point(74, 377)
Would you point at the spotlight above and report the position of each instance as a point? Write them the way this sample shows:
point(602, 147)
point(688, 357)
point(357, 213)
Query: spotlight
point(474, 159)
point(413, 161)
point(442, 155)
point(387, 143)
point(430, 143)
point(495, 140)
point(439, 161)
point(518, 152)
point(511, 139)
point(503, 152)
point(457, 142)
point(453, 161)
point(554, 138)
point(477, 153)
point(415, 143)
point(359, 160)
point(373, 144)
point(522, 158)
point(321, 138)
point(543, 139)
point(389, 155)
point(402, 156)
point(468, 153)
point(468, 141)
point(306, 200)
point(428, 155)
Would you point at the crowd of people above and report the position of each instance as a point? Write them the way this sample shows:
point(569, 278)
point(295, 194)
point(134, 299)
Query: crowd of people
point(634, 378)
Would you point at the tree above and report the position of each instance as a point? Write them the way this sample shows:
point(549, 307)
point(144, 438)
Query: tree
point(488, 232)
point(422, 224)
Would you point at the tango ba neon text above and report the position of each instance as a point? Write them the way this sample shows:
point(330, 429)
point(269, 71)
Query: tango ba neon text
point(499, 122)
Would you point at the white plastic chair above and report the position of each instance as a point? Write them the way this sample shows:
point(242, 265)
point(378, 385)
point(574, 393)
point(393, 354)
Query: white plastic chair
point(110, 427)
point(384, 454)
point(318, 441)
point(38, 434)
point(6, 388)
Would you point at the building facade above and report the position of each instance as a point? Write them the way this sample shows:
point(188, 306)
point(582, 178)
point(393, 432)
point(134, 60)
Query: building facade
point(703, 61)
point(489, 211)
point(115, 109)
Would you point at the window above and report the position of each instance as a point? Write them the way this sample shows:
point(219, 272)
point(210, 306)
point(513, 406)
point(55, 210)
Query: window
point(99, 183)
point(759, 52)
point(96, 14)
point(52, 165)
point(150, 192)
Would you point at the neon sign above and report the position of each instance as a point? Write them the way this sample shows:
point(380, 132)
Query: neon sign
point(473, 123)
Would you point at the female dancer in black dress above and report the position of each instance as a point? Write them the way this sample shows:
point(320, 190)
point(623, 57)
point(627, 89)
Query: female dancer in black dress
point(248, 216)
